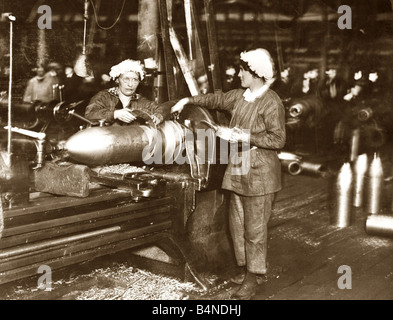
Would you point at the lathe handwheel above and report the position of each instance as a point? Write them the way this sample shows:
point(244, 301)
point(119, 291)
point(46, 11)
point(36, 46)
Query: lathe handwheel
point(61, 112)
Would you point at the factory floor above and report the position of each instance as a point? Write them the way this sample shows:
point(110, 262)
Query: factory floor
point(308, 257)
point(311, 259)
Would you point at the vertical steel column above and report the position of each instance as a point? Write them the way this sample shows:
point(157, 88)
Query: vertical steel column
point(9, 144)
point(212, 41)
point(168, 54)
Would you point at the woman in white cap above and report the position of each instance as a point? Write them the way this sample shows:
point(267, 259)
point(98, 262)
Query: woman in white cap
point(258, 118)
point(117, 104)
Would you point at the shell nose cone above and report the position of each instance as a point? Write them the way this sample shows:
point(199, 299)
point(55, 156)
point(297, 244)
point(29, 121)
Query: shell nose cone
point(89, 146)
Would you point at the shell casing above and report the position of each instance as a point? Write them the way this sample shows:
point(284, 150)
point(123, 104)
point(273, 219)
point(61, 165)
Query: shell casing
point(355, 140)
point(342, 201)
point(380, 225)
point(365, 114)
point(312, 167)
point(374, 186)
point(360, 169)
point(291, 166)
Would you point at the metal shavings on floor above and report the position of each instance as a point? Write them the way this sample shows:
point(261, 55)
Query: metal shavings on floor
point(128, 283)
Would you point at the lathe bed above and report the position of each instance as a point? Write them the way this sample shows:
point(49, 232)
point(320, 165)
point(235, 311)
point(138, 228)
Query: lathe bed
point(58, 230)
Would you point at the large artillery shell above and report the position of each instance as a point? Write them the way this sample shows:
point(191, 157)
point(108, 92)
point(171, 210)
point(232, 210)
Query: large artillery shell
point(161, 144)
point(342, 200)
point(360, 169)
point(374, 185)
point(125, 144)
point(380, 225)
point(107, 145)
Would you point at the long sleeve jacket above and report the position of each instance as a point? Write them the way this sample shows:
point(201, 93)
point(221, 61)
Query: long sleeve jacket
point(259, 171)
point(41, 90)
point(102, 106)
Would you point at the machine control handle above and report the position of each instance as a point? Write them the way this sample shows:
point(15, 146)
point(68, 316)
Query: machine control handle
point(29, 133)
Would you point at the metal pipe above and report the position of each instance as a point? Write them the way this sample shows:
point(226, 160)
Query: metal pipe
point(341, 209)
point(380, 225)
point(73, 113)
point(50, 243)
point(29, 133)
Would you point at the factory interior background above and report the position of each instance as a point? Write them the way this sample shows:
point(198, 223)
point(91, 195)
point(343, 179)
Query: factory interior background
point(334, 76)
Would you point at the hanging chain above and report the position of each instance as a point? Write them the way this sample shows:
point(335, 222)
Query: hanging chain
point(116, 21)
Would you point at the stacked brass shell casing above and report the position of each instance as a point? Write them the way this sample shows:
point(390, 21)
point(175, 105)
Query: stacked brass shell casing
point(342, 202)
point(374, 186)
point(360, 169)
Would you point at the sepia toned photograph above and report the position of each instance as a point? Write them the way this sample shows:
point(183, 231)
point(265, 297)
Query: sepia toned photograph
point(214, 151)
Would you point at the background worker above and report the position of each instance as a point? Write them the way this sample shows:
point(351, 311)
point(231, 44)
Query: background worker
point(41, 86)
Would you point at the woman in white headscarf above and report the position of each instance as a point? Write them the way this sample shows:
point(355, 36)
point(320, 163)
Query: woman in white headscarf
point(118, 103)
point(257, 118)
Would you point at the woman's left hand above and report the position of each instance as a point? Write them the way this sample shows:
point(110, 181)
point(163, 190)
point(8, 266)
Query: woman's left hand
point(239, 135)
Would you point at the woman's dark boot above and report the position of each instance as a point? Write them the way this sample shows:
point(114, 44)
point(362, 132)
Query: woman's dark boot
point(248, 288)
